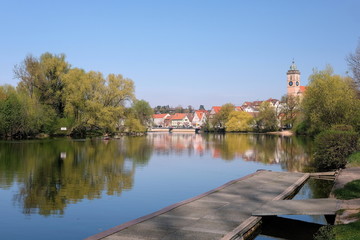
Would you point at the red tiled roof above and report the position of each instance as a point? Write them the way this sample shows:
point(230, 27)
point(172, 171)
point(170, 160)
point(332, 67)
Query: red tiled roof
point(199, 114)
point(302, 89)
point(216, 109)
point(272, 100)
point(204, 111)
point(257, 103)
point(239, 109)
point(178, 116)
point(159, 115)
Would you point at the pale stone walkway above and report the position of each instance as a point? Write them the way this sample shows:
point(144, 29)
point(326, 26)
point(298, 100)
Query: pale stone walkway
point(320, 206)
point(219, 214)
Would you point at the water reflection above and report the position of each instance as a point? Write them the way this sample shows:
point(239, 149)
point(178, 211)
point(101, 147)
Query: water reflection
point(294, 154)
point(53, 173)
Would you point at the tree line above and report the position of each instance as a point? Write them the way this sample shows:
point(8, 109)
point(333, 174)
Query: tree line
point(51, 95)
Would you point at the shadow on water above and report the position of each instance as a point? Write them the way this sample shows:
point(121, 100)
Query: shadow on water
point(298, 227)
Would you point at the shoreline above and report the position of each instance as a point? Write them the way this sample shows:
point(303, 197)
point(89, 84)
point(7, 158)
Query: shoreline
point(286, 133)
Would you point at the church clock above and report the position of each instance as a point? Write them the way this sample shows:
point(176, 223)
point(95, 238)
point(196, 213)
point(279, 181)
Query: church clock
point(293, 80)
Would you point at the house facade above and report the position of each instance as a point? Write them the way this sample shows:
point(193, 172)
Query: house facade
point(199, 118)
point(159, 119)
point(179, 120)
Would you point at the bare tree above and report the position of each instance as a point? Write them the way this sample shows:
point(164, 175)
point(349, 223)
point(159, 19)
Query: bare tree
point(353, 61)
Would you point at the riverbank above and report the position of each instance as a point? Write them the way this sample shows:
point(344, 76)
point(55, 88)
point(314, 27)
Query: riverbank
point(285, 133)
point(352, 209)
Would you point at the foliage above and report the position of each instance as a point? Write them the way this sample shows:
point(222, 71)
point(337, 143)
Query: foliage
point(162, 109)
point(42, 78)
point(133, 125)
point(333, 147)
point(354, 159)
point(301, 127)
point(329, 100)
point(348, 231)
point(220, 118)
point(143, 112)
point(51, 95)
point(267, 119)
point(290, 110)
point(12, 113)
point(325, 233)
point(351, 190)
point(239, 121)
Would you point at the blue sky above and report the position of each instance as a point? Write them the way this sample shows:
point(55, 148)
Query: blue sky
point(187, 52)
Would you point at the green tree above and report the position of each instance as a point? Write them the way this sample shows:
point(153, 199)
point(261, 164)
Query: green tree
point(290, 110)
point(267, 119)
point(12, 117)
point(222, 116)
point(43, 78)
point(329, 100)
point(239, 121)
point(143, 112)
point(94, 102)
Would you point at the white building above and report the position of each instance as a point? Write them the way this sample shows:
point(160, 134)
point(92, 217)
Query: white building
point(199, 118)
point(159, 119)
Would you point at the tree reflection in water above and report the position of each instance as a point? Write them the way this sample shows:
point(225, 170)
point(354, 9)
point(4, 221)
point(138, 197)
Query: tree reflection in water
point(292, 153)
point(51, 174)
point(48, 181)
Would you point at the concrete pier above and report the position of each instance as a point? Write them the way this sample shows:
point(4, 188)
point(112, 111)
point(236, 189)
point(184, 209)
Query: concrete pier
point(222, 213)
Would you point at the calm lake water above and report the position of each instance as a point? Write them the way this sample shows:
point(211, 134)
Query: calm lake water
point(71, 189)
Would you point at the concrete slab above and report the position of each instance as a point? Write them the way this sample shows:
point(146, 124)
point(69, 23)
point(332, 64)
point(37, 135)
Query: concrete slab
point(324, 206)
point(346, 175)
point(219, 213)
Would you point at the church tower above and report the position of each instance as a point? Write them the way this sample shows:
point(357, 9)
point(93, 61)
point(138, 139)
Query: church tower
point(293, 81)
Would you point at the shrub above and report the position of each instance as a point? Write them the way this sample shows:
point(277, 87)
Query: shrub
point(325, 233)
point(332, 147)
point(342, 127)
point(302, 127)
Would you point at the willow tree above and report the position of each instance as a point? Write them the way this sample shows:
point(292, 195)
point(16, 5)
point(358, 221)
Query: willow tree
point(239, 121)
point(96, 102)
point(220, 118)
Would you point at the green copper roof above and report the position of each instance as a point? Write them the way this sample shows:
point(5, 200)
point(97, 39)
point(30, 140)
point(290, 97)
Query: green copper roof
point(293, 66)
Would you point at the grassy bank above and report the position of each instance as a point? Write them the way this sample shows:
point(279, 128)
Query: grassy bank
point(350, 231)
point(354, 160)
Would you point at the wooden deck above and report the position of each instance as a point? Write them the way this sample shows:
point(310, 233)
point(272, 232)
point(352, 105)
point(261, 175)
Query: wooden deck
point(223, 213)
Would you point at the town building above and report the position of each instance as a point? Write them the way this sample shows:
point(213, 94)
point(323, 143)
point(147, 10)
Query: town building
point(294, 87)
point(179, 120)
point(159, 119)
point(199, 118)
